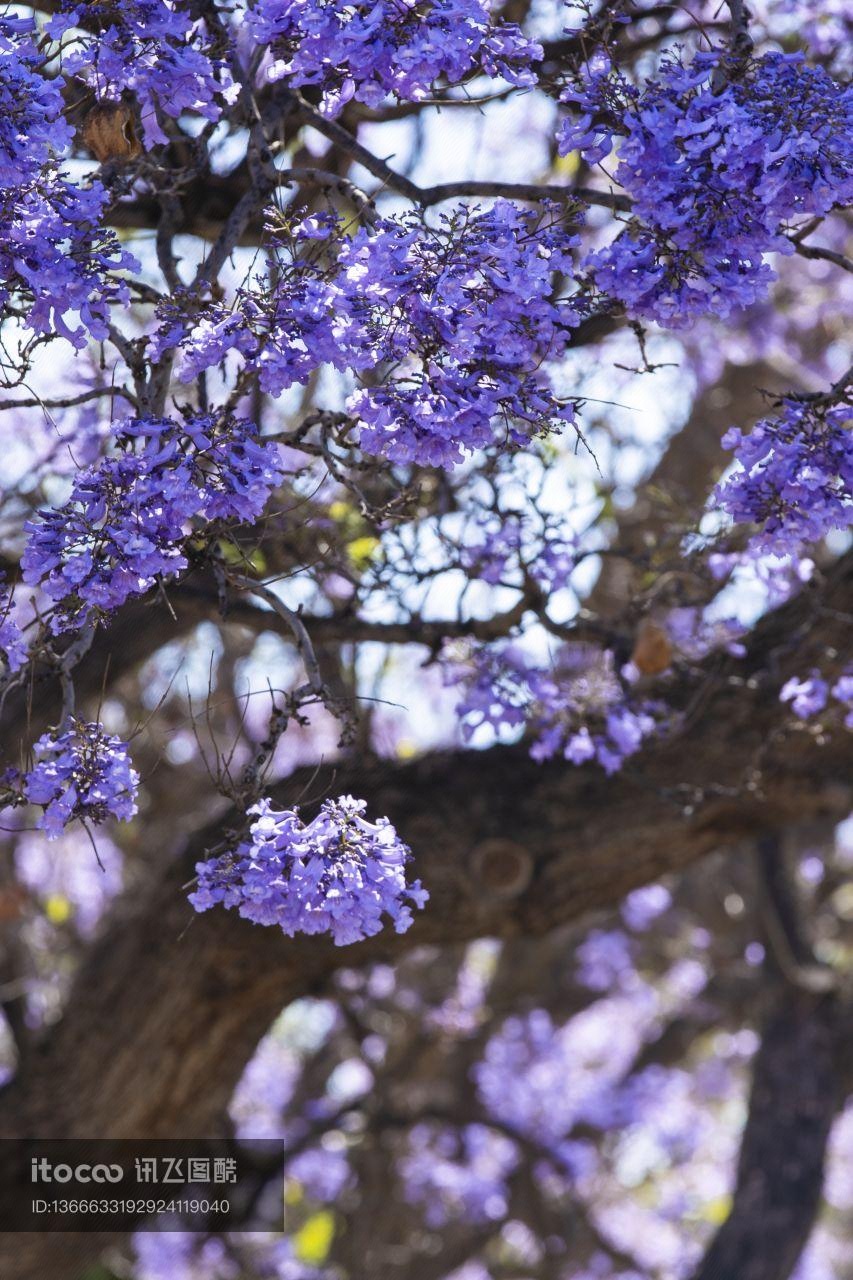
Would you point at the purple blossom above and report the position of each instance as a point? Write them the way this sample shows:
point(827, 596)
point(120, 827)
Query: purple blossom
point(337, 874)
point(842, 691)
point(455, 1176)
point(182, 1255)
point(261, 1100)
point(369, 50)
point(322, 1172)
point(33, 128)
point(794, 477)
point(14, 650)
point(57, 260)
point(503, 546)
point(695, 634)
point(825, 26)
point(152, 49)
point(642, 907)
point(713, 174)
point(128, 518)
point(82, 772)
point(807, 697)
point(577, 707)
point(435, 418)
point(463, 310)
point(600, 97)
point(605, 960)
point(541, 1078)
point(813, 694)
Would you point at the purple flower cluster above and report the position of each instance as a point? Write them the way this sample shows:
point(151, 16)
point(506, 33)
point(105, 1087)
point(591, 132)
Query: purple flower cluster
point(56, 259)
point(577, 707)
point(462, 1175)
point(541, 1078)
point(807, 697)
point(402, 47)
point(84, 773)
point(599, 97)
point(337, 874)
point(14, 650)
point(149, 48)
point(794, 477)
point(67, 870)
point(128, 518)
point(825, 27)
point(433, 417)
point(606, 960)
point(504, 546)
point(694, 634)
point(464, 311)
point(32, 125)
point(811, 695)
point(714, 174)
point(523, 1077)
point(188, 1255)
point(842, 692)
point(321, 1173)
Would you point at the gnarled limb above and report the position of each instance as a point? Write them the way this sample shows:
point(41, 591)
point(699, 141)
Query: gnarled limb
point(188, 998)
point(180, 1002)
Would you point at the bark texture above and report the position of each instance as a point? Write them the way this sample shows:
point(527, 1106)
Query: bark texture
point(179, 1001)
point(168, 1007)
point(796, 1091)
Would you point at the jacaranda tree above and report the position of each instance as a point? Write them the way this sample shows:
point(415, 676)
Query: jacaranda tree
point(425, 666)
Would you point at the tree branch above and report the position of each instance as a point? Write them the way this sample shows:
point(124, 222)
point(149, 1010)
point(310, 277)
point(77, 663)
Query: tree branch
point(426, 196)
point(189, 997)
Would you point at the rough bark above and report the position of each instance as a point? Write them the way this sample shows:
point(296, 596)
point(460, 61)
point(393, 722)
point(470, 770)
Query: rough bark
point(167, 1008)
point(795, 1094)
point(181, 1007)
point(678, 486)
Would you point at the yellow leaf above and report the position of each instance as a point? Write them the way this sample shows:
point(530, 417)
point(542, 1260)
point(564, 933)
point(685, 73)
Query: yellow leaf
point(293, 1193)
point(716, 1211)
point(351, 524)
point(57, 909)
point(229, 552)
point(312, 1241)
point(361, 551)
point(232, 554)
point(568, 165)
